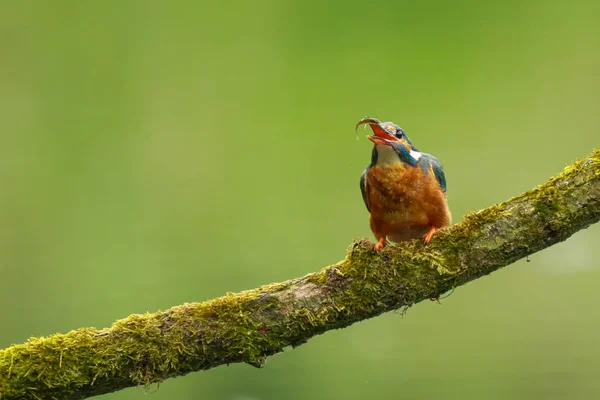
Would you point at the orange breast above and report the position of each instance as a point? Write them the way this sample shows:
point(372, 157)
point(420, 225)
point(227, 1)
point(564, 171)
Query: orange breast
point(404, 201)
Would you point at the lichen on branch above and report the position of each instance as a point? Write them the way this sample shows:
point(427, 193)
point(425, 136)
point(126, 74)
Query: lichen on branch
point(251, 325)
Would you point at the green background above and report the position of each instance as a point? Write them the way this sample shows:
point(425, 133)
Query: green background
point(156, 152)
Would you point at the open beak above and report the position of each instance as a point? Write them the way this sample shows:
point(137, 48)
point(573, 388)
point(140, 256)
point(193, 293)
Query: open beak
point(378, 140)
point(381, 136)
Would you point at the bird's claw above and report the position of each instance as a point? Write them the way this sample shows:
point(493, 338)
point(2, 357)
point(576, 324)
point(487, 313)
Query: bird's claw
point(380, 244)
point(429, 235)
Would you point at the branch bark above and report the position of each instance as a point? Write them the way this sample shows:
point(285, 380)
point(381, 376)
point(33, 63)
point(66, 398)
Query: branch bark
point(251, 325)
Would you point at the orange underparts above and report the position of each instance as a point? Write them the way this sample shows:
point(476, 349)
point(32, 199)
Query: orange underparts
point(405, 203)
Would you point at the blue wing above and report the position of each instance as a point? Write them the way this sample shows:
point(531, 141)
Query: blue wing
point(363, 188)
point(428, 161)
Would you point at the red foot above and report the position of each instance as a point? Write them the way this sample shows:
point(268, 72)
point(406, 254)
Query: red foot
point(430, 234)
point(380, 244)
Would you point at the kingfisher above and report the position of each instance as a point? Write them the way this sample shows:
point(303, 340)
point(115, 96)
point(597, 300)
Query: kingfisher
point(404, 189)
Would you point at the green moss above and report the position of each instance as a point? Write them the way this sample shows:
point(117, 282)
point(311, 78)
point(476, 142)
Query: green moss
point(251, 325)
point(318, 278)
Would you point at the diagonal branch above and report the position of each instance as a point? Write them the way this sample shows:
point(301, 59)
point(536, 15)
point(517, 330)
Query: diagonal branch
point(251, 325)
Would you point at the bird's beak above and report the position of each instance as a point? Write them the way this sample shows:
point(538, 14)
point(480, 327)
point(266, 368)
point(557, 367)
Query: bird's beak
point(381, 136)
point(378, 140)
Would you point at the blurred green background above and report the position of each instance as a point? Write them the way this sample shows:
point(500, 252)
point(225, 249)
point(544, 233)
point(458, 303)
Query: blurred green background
point(154, 153)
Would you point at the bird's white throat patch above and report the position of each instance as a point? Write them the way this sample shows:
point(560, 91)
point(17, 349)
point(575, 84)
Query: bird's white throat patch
point(387, 155)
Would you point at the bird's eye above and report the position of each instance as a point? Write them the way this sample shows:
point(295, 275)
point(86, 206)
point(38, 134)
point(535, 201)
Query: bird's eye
point(399, 133)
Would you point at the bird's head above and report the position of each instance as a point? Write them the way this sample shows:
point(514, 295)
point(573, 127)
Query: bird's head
point(388, 136)
point(385, 133)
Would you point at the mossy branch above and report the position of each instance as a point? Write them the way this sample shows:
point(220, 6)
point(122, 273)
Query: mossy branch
point(251, 325)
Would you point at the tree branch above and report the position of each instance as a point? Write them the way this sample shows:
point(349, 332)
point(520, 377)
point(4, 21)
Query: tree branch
point(251, 325)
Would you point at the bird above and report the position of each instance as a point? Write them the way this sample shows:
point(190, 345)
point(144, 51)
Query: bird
point(403, 189)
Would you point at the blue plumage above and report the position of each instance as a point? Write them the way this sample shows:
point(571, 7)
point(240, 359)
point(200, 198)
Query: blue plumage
point(428, 161)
